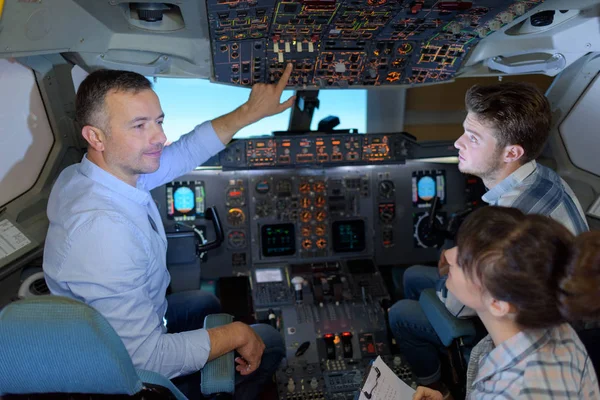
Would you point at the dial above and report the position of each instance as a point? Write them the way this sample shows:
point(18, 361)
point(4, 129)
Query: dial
point(319, 187)
point(387, 212)
point(320, 230)
point(306, 230)
point(305, 187)
point(237, 239)
point(305, 216)
point(386, 189)
point(322, 243)
point(284, 188)
point(262, 187)
point(236, 217)
point(234, 197)
point(321, 215)
point(263, 208)
point(305, 202)
point(306, 244)
point(320, 201)
point(281, 204)
point(425, 237)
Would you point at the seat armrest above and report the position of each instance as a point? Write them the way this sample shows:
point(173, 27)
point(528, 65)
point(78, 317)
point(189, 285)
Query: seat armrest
point(218, 375)
point(446, 325)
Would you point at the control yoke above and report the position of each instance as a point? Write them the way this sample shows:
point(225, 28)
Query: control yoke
point(211, 214)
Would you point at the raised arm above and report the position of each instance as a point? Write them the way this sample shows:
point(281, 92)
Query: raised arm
point(264, 101)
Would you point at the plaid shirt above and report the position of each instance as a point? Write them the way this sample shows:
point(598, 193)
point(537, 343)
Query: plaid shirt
point(534, 364)
point(535, 189)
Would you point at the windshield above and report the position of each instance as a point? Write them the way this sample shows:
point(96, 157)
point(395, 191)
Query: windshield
point(188, 102)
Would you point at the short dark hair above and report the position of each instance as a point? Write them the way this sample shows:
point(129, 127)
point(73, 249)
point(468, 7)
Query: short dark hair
point(532, 262)
point(518, 111)
point(92, 92)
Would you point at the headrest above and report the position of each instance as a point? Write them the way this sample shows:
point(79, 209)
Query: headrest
point(53, 344)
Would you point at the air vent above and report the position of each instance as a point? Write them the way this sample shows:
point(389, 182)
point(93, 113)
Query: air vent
point(39, 287)
point(34, 285)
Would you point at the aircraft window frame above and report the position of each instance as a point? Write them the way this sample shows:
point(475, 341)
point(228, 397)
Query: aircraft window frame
point(27, 148)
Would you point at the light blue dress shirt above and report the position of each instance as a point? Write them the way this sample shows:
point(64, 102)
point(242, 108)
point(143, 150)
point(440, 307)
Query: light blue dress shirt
point(101, 249)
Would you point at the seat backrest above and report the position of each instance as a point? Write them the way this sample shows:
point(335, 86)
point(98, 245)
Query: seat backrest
point(55, 344)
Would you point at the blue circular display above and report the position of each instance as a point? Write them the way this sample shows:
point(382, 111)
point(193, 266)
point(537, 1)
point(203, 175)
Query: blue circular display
point(426, 188)
point(184, 200)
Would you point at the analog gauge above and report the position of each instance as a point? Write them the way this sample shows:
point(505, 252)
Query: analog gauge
point(281, 204)
point(386, 189)
point(319, 187)
point(387, 212)
point(423, 235)
point(320, 201)
point(322, 243)
point(237, 239)
point(321, 215)
point(263, 208)
point(305, 202)
point(305, 216)
point(320, 230)
point(262, 187)
point(306, 230)
point(305, 187)
point(236, 217)
point(306, 244)
point(234, 196)
point(284, 188)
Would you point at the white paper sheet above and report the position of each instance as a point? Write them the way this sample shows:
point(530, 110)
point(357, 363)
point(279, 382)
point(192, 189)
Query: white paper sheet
point(383, 384)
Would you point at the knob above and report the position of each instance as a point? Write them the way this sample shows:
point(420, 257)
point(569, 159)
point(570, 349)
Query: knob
point(297, 281)
point(397, 361)
point(314, 383)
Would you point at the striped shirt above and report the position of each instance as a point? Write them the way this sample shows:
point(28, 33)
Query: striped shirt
point(534, 364)
point(535, 189)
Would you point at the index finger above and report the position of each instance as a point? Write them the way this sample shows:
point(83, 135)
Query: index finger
point(287, 72)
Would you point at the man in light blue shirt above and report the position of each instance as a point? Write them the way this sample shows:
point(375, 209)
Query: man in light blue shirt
point(106, 244)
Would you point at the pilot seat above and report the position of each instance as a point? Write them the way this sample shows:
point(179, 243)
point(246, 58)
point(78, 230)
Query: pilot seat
point(57, 347)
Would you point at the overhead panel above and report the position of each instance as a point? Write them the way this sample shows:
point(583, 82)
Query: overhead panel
point(348, 43)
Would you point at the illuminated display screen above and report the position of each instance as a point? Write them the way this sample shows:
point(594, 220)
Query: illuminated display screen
point(185, 200)
point(268, 275)
point(348, 236)
point(278, 240)
point(426, 185)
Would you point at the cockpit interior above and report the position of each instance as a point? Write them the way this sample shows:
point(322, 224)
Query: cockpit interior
point(306, 222)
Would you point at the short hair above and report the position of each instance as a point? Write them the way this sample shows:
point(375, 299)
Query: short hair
point(532, 262)
point(91, 94)
point(518, 111)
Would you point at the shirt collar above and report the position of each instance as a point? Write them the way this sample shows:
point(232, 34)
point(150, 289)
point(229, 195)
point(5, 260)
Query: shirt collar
point(111, 182)
point(510, 352)
point(508, 183)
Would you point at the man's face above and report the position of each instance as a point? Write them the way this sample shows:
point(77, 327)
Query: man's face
point(135, 136)
point(478, 149)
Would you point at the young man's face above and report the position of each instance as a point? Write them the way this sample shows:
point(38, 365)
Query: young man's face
point(478, 149)
point(135, 139)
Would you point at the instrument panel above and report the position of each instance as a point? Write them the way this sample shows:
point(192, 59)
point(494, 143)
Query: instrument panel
point(349, 43)
point(277, 206)
point(321, 150)
point(311, 221)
